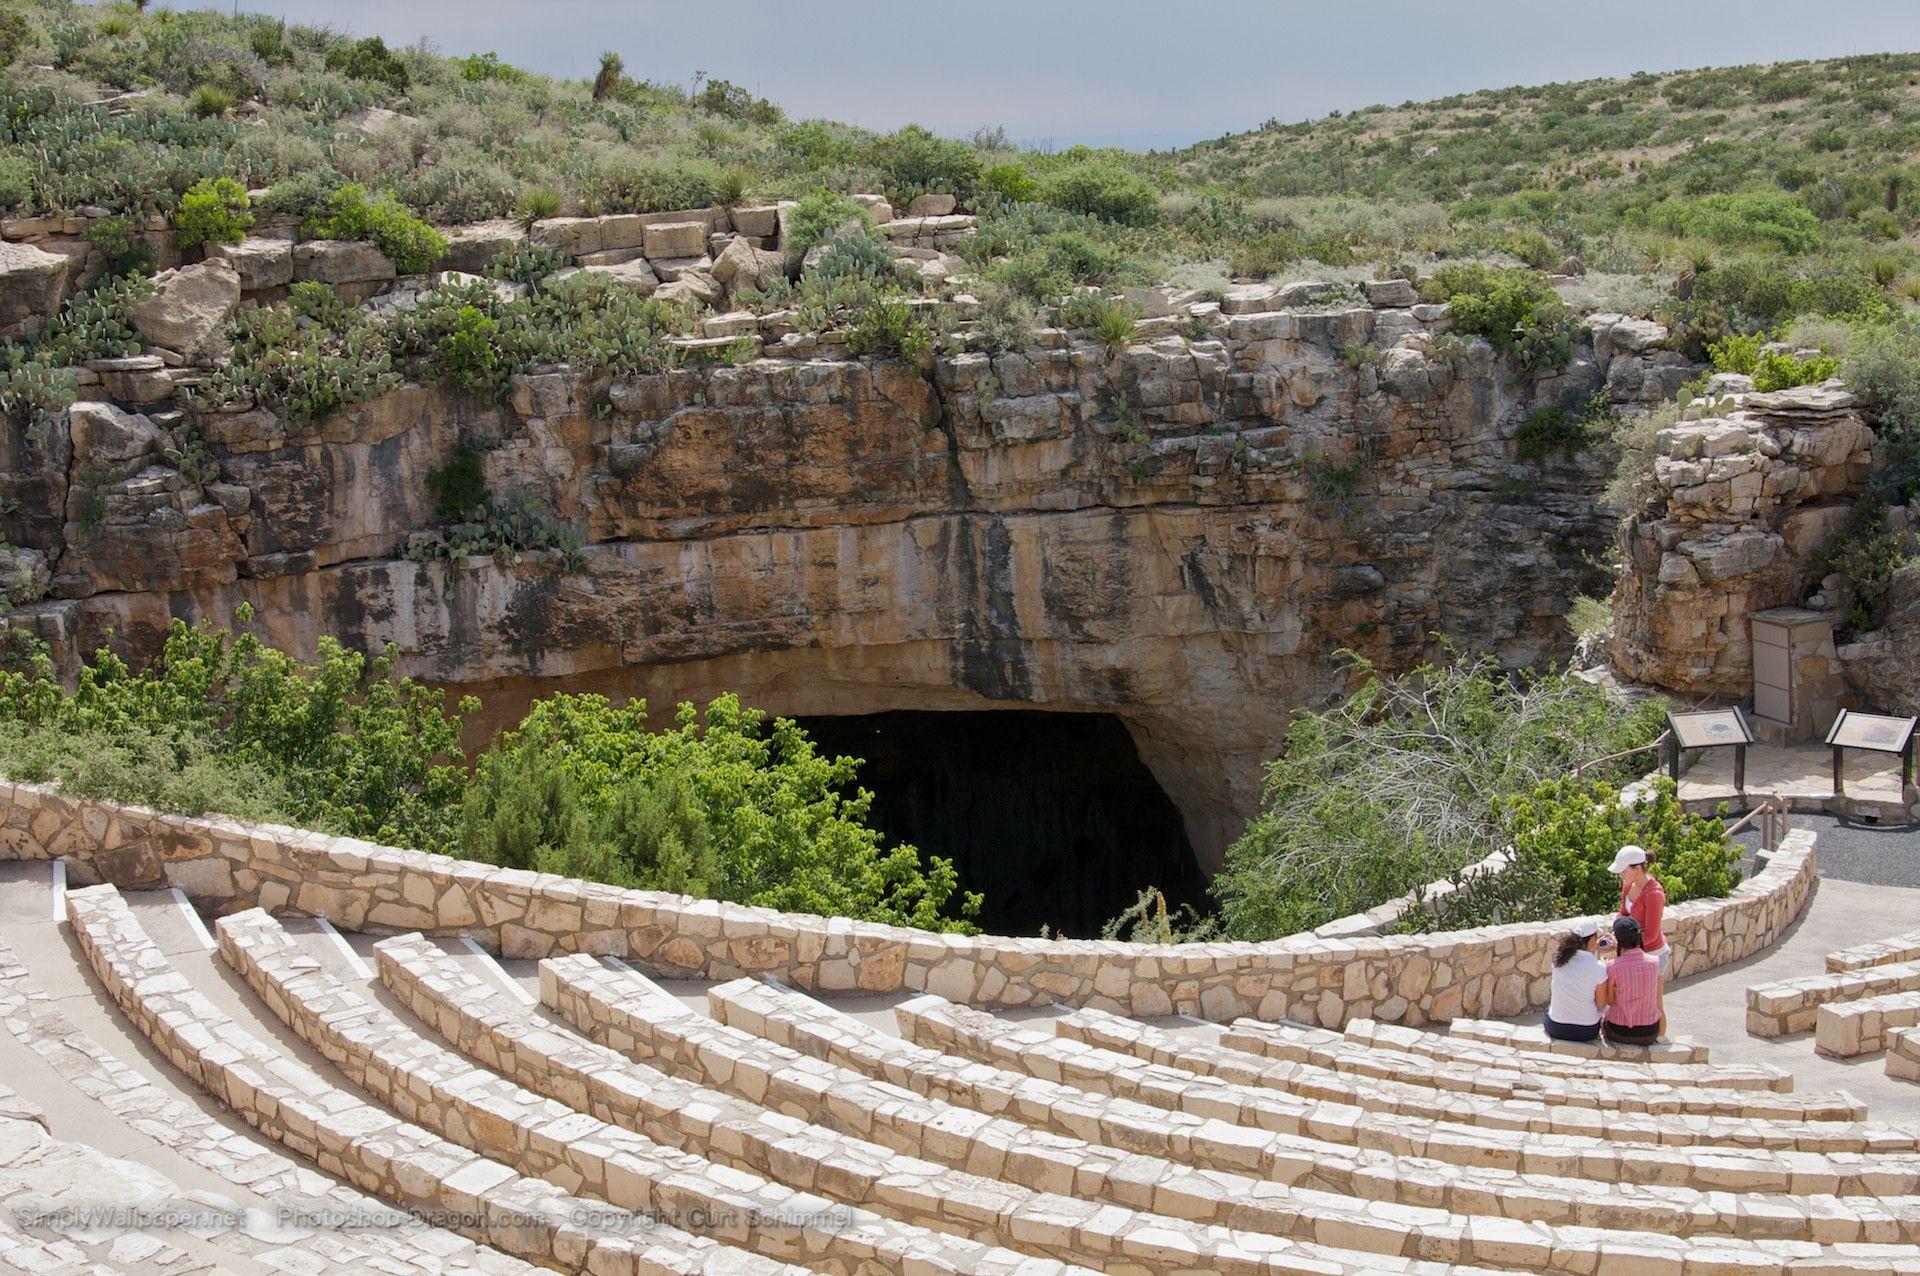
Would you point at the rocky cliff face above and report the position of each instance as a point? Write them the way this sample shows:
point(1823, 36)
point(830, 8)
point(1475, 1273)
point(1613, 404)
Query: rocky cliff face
point(1182, 532)
point(1746, 492)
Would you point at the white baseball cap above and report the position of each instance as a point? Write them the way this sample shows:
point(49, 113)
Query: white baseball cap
point(1586, 928)
point(1629, 856)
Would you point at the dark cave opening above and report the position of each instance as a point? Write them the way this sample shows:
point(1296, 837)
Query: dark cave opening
point(1052, 817)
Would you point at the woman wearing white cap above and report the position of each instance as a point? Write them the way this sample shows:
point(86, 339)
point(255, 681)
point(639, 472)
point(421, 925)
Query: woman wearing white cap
point(1579, 980)
point(1643, 899)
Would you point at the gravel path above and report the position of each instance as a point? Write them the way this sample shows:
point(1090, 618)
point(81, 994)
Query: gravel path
point(1865, 853)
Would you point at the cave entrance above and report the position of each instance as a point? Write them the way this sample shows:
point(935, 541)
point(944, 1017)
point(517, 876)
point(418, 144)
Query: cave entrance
point(1052, 817)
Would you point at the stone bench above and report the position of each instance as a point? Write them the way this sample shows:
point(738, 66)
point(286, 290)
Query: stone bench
point(424, 1081)
point(1248, 1090)
point(1883, 952)
point(1848, 1028)
point(1532, 1039)
point(1377, 1057)
point(395, 1160)
point(1736, 1076)
point(1344, 1147)
point(1793, 1005)
point(736, 1129)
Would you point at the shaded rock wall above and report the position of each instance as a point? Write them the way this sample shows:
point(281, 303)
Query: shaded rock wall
point(1180, 533)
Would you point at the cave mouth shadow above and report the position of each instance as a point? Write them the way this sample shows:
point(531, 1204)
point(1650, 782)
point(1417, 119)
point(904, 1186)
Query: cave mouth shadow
point(1052, 817)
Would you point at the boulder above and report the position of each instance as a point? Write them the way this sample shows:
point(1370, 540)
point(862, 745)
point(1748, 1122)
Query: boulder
point(743, 266)
point(669, 240)
point(629, 274)
point(471, 248)
point(877, 208)
point(932, 204)
point(32, 283)
point(694, 285)
point(261, 263)
point(341, 261)
point(191, 304)
point(1390, 292)
point(761, 221)
point(573, 236)
point(1305, 293)
point(102, 433)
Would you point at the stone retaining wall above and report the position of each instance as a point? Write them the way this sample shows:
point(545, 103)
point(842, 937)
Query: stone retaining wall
point(1415, 979)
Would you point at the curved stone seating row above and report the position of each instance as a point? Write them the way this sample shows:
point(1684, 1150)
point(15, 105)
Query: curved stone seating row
point(397, 1161)
point(1530, 1039)
point(734, 1125)
point(1883, 952)
point(229, 865)
point(1328, 1140)
point(1480, 1054)
point(1409, 1059)
point(627, 1012)
point(1848, 1028)
point(1793, 1005)
point(257, 1167)
point(429, 1083)
point(1248, 1090)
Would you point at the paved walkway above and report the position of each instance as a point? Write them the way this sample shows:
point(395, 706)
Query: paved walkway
point(1803, 775)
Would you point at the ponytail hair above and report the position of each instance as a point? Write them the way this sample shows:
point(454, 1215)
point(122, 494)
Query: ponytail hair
point(1570, 944)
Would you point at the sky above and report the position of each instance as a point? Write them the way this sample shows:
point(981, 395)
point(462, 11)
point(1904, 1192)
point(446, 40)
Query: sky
point(1119, 72)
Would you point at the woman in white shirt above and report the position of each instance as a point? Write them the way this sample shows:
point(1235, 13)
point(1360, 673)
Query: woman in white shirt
point(1579, 984)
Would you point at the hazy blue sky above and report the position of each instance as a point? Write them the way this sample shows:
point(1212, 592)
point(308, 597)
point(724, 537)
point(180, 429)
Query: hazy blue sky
point(1121, 71)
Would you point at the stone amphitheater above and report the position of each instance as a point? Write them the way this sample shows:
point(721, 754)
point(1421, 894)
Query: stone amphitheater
point(248, 1049)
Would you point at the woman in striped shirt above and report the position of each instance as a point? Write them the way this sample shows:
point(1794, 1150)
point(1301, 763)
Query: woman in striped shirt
point(1636, 1012)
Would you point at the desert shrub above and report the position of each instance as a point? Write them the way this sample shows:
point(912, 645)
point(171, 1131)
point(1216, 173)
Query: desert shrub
point(369, 59)
point(210, 100)
point(527, 263)
point(478, 68)
point(1762, 218)
point(1517, 311)
point(818, 216)
point(1549, 430)
point(413, 246)
point(1635, 440)
point(1011, 182)
point(467, 359)
point(913, 161)
point(1108, 320)
point(654, 187)
point(1737, 352)
point(885, 325)
point(214, 210)
point(1777, 370)
point(1867, 551)
point(853, 256)
point(1103, 189)
point(721, 805)
point(1006, 320)
point(536, 204)
point(125, 250)
point(1884, 371)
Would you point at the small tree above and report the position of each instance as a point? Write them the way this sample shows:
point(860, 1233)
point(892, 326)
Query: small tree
point(607, 81)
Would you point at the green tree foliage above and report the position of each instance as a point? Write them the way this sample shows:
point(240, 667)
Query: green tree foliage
point(1103, 189)
point(721, 805)
point(370, 59)
point(1771, 219)
point(914, 161)
point(1570, 829)
point(340, 744)
point(1402, 784)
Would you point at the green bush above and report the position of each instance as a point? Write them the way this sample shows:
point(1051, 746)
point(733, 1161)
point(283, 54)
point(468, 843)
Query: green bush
point(1010, 181)
point(1752, 218)
point(214, 210)
point(1517, 311)
point(1548, 430)
point(914, 161)
point(210, 100)
point(1570, 830)
point(1777, 370)
point(1108, 320)
point(1103, 189)
point(467, 357)
point(536, 204)
point(370, 59)
point(1737, 352)
point(1883, 369)
point(413, 246)
point(818, 216)
point(721, 805)
point(125, 250)
point(1867, 551)
point(460, 486)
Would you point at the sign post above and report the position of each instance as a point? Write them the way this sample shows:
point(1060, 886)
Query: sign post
point(1710, 729)
point(1876, 733)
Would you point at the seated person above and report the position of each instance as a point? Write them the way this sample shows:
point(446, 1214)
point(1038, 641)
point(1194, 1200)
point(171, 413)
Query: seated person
point(1636, 1012)
point(1573, 1012)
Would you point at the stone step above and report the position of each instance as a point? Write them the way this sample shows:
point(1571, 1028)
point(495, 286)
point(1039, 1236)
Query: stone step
point(1896, 948)
point(1793, 1005)
point(1530, 1039)
point(493, 1115)
point(1281, 1096)
point(1329, 1133)
point(630, 1012)
point(737, 1131)
point(1737, 1076)
point(1903, 1054)
point(1379, 1057)
point(401, 1163)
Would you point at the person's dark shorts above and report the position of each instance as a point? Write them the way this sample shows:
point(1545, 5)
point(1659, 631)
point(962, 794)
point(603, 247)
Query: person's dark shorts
point(1621, 1035)
point(1570, 1031)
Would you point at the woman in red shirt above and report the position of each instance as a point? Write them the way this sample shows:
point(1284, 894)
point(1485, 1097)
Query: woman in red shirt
point(1645, 900)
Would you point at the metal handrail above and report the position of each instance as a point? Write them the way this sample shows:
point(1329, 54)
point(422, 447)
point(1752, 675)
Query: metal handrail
point(1580, 769)
point(1771, 818)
